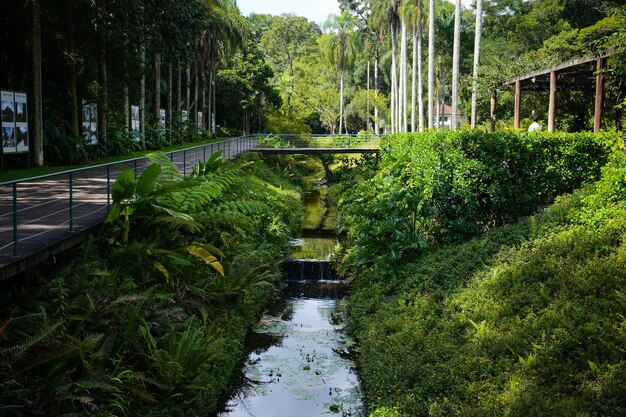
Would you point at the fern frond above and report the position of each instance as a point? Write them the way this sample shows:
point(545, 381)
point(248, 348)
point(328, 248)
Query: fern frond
point(31, 341)
point(169, 171)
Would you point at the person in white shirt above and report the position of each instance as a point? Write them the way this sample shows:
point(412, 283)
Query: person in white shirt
point(534, 126)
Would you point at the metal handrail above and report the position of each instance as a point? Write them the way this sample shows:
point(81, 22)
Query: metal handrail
point(47, 213)
point(121, 162)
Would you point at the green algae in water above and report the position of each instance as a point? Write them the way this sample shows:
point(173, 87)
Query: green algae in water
point(319, 248)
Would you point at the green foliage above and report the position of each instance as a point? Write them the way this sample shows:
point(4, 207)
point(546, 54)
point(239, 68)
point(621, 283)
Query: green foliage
point(523, 320)
point(447, 187)
point(280, 123)
point(152, 324)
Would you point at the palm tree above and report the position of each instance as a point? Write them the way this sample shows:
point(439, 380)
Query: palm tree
point(341, 51)
point(455, 64)
point(225, 30)
point(431, 60)
point(402, 119)
point(379, 17)
point(37, 84)
point(415, 16)
point(478, 34)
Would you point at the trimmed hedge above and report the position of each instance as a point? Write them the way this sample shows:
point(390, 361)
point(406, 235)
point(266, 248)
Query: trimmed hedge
point(474, 179)
point(444, 186)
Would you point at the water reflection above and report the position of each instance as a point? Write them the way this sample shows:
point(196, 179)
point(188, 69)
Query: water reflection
point(299, 368)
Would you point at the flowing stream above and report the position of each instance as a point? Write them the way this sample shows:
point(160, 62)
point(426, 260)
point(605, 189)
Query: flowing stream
point(299, 362)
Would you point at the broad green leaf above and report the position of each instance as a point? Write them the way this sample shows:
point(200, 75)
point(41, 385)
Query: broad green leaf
point(146, 181)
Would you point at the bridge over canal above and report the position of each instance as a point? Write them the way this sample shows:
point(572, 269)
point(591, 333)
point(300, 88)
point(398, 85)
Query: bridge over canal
point(46, 215)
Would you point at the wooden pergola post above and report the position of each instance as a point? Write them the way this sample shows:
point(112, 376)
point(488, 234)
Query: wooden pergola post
point(518, 104)
point(599, 104)
point(552, 105)
point(494, 102)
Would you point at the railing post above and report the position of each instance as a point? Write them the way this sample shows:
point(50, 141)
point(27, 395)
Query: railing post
point(71, 202)
point(108, 187)
point(135, 166)
point(14, 219)
point(184, 162)
point(204, 153)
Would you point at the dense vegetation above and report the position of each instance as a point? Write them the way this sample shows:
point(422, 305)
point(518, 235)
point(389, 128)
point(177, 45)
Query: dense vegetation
point(285, 74)
point(522, 316)
point(150, 318)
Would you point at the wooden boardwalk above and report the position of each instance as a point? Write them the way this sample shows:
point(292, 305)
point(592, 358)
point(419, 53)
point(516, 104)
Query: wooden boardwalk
point(48, 224)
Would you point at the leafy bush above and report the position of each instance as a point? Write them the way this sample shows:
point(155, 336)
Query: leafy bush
point(150, 318)
point(449, 186)
point(524, 320)
point(279, 123)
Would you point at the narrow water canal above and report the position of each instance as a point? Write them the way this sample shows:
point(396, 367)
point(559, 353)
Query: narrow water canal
point(299, 363)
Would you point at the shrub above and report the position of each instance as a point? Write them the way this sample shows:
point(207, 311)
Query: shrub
point(449, 186)
point(524, 320)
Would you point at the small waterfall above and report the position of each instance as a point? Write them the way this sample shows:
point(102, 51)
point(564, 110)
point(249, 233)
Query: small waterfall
point(309, 270)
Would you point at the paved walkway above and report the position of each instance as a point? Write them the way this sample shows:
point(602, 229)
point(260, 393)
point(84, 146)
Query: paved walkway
point(48, 224)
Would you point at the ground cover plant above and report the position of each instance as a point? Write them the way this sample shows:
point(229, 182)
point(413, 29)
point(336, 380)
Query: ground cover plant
point(525, 319)
point(149, 319)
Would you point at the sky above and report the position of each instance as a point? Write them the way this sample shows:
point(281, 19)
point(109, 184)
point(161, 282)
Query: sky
point(314, 10)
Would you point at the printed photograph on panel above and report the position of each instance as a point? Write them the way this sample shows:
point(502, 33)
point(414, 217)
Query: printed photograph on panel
point(8, 113)
point(92, 134)
point(8, 139)
point(22, 138)
point(162, 118)
point(20, 115)
point(134, 118)
point(86, 112)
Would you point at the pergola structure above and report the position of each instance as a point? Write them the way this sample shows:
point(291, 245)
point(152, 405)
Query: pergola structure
point(575, 74)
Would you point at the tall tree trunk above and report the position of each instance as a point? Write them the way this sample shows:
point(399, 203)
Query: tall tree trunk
point(125, 97)
point(194, 87)
point(202, 99)
point(71, 63)
point(403, 88)
point(420, 90)
point(103, 102)
point(157, 85)
point(170, 90)
point(142, 94)
point(367, 120)
point(394, 82)
point(188, 91)
point(37, 85)
point(456, 48)
point(438, 94)
point(214, 127)
point(477, 38)
point(340, 100)
point(414, 80)
point(209, 107)
point(431, 61)
point(376, 59)
point(179, 90)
